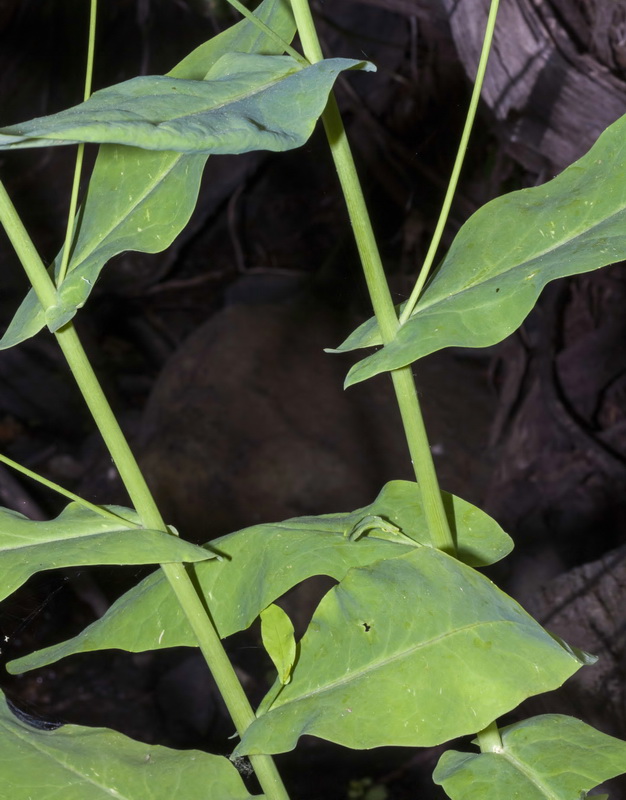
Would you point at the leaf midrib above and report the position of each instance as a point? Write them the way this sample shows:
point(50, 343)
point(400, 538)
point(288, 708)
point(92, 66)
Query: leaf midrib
point(478, 281)
point(73, 121)
point(531, 776)
point(369, 668)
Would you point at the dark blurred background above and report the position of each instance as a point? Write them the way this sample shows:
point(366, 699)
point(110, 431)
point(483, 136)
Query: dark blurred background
point(211, 352)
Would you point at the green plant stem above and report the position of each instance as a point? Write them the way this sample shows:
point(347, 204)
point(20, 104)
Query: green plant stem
point(91, 49)
point(268, 31)
point(458, 164)
point(180, 581)
point(104, 512)
point(382, 303)
point(489, 739)
point(422, 460)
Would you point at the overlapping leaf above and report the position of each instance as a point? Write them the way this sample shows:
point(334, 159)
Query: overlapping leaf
point(479, 539)
point(246, 102)
point(412, 651)
point(78, 763)
point(141, 199)
point(262, 563)
point(79, 536)
point(506, 253)
point(550, 757)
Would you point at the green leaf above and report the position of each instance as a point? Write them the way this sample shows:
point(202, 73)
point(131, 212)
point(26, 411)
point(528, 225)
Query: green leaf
point(278, 640)
point(263, 562)
point(80, 536)
point(506, 253)
point(412, 651)
point(550, 757)
point(244, 37)
point(246, 102)
point(479, 539)
point(139, 199)
point(258, 565)
point(78, 763)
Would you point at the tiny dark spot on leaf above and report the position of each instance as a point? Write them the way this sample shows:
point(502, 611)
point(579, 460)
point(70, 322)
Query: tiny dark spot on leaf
point(498, 289)
point(367, 627)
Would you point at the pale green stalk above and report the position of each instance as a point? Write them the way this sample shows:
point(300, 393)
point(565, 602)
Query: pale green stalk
point(186, 594)
point(456, 170)
point(268, 31)
point(382, 303)
point(489, 739)
point(104, 512)
point(67, 246)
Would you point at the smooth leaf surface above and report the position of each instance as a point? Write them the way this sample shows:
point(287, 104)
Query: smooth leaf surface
point(246, 102)
point(479, 539)
point(79, 536)
point(262, 563)
point(278, 639)
point(550, 757)
point(412, 651)
point(259, 565)
point(506, 253)
point(140, 200)
point(78, 763)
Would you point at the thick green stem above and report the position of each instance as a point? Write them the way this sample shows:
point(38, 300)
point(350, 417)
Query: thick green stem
point(489, 739)
point(182, 585)
point(421, 457)
point(379, 292)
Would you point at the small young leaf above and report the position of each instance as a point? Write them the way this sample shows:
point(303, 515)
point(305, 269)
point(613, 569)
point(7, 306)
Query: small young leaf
point(79, 536)
point(263, 562)
point(506, 253)
point(278, 640)
point(550, 757)
point(372, 523)
point(413, 652)
point(79, 763)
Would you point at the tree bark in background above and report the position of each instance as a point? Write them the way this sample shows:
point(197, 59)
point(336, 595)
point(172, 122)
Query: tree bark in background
point(556, 73)
point(556, 80)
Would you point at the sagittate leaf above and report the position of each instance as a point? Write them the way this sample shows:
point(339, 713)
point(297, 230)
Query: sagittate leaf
point(506, 253)
point(261, 563)
point(246, 102)
point(80, 536)
point(141, 199)
point(412, 651)
point(78, 763)
point(278, 639)
point(550, 757)
point(258, 565)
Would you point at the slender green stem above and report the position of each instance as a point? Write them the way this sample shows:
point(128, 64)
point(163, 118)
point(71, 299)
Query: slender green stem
point(91, 49)
point(268, 31)
point(69, 233)
point(382, 303)
point(104, 512)
point(182, 585)
point(489, 739)
point(456, 170)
